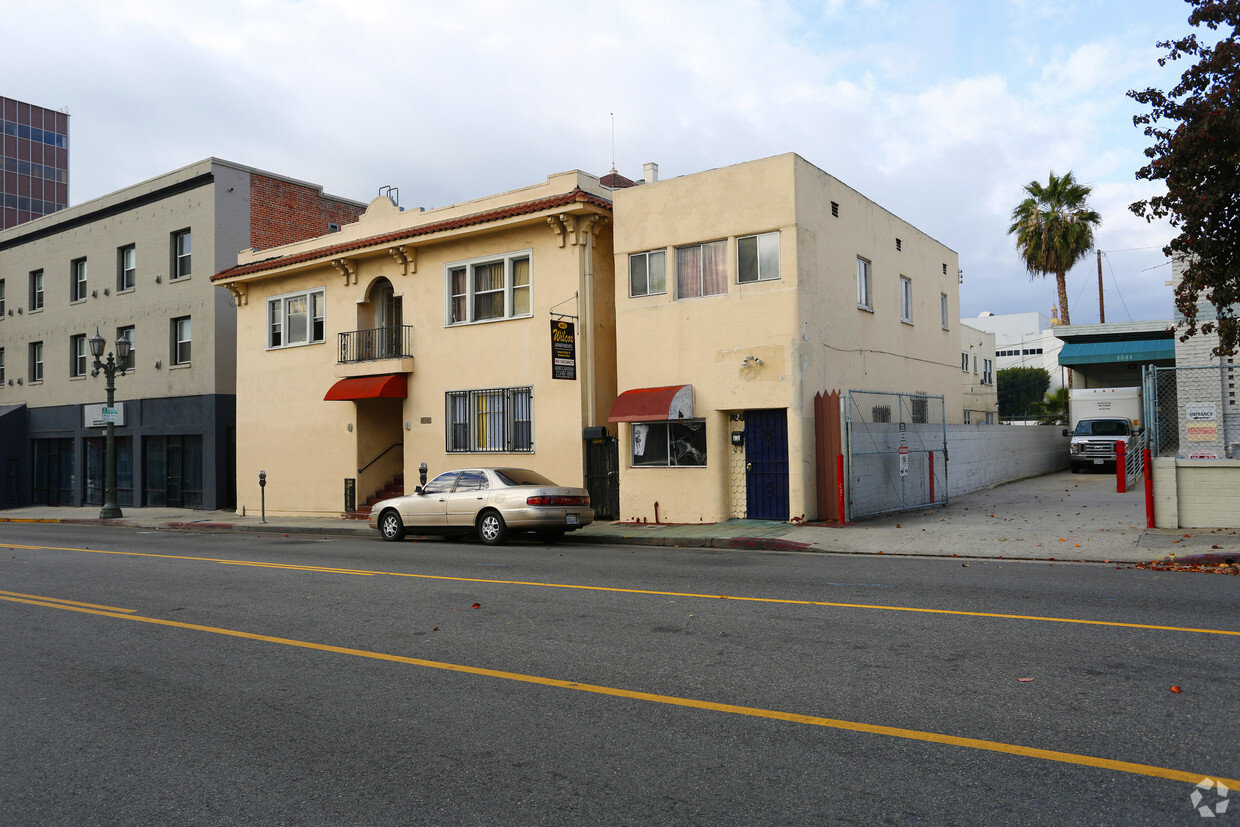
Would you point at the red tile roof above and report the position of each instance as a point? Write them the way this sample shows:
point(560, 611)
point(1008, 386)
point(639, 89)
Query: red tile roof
point(575, 196)
point(616, 181)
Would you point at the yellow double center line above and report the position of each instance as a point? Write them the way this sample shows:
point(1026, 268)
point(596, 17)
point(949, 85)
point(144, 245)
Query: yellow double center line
point(651, 592)
point(691, 703)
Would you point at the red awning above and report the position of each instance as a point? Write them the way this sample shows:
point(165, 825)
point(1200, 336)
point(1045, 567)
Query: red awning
point(391, 386)
point(653, 404)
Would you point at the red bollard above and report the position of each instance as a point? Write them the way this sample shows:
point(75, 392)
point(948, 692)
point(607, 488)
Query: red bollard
point(839, 487)
point(1121, 469)
point(1149, 488)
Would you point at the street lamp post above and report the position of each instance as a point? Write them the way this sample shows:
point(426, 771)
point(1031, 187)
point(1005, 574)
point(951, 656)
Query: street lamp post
point(110, 368)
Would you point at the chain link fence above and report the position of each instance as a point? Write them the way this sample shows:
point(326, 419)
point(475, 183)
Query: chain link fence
point(1191, 412)
point(893, 439)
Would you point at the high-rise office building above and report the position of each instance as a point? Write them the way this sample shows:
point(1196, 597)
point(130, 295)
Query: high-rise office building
point(34, 175)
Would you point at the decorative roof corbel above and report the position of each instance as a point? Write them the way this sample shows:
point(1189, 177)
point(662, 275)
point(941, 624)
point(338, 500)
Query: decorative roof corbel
point(594, 223)
point(557, 224)
point(406, 257)
point(347, 268)
point(239, 293)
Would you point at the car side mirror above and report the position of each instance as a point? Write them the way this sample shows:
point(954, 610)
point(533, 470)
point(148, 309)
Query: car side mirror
point(417, 489)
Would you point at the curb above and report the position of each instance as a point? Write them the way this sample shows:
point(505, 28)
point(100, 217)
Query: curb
point(1208, 559)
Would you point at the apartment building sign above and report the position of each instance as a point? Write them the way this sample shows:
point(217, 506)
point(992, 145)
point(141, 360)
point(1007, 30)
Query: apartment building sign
point(563, 350)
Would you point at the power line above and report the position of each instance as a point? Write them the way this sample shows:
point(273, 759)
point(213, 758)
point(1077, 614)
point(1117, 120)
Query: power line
point(1131, 250)
point(1117, 290)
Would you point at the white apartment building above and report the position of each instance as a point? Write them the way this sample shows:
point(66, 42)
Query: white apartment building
point(1025, 340)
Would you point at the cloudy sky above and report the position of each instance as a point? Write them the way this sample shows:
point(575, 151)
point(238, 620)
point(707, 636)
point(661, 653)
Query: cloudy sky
point(939, 110)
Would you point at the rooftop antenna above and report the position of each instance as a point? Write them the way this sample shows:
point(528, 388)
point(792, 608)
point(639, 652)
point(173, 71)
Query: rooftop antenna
point(613, 141)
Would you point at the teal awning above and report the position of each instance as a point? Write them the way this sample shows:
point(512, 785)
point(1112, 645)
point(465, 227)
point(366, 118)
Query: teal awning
point(1140, 351)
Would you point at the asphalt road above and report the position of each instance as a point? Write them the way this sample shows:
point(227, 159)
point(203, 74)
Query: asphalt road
point(187, 678)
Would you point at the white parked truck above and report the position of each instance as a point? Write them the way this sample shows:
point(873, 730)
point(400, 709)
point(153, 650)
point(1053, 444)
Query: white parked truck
point(1101, 417)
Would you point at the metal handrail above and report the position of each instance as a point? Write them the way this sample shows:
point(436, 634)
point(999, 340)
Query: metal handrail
point(378, 343)
point(1134, 456)
point(381, 453)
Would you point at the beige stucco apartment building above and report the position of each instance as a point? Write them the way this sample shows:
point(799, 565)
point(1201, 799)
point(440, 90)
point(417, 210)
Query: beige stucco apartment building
point(741, 293)
point(418, 337)
point(136, 263)
point(707, 311)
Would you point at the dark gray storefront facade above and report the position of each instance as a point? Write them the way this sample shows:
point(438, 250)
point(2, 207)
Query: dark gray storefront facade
point(175, 451)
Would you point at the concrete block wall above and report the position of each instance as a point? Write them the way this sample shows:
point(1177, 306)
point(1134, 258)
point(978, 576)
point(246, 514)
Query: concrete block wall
point(980, 456)
point(1196, 493)
point(1166, 497)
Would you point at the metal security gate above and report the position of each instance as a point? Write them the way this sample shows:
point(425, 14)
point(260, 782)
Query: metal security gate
point(766, 464)
point(603, 476)
point(896, 451)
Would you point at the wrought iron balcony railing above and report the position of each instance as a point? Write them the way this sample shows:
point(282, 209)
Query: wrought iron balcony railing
point(381, 343)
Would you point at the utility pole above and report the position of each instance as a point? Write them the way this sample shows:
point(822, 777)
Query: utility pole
point(1102, 310)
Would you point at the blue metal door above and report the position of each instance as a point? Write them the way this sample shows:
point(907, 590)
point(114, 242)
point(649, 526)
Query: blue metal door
point(766, 465)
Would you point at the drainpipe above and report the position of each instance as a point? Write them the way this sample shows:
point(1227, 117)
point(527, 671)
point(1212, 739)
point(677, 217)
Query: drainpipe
point(587, 314)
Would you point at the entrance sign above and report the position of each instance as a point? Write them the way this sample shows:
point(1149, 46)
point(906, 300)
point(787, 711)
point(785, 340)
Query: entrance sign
point(1199, 411)
point(563, 350)
point(904, 460)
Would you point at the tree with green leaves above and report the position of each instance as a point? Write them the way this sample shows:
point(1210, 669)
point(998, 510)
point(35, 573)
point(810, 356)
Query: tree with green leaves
point(1054, 229)
point(1020, 391)
point(1196, 153)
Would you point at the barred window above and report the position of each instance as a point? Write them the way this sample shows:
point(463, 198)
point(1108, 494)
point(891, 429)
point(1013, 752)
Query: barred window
point(495, 420)
point(921, 410)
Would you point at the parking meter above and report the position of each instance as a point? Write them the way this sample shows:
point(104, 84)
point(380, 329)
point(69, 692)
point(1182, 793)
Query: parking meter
point(422, 473)
point(262, 487)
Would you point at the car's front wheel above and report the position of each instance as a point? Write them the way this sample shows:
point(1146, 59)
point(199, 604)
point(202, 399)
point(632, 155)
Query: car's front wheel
point(491, 528)
point(390, 526)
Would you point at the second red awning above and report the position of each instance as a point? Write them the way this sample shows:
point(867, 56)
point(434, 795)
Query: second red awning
point(653, 404)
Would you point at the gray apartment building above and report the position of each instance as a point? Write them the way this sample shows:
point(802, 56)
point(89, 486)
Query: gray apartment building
point(136, 264)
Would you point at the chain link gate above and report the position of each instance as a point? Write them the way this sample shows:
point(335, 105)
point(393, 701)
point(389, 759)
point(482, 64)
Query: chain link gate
point(893, 439)
point(1191, 412)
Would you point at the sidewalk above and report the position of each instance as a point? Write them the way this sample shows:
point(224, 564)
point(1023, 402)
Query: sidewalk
point(1062, 517)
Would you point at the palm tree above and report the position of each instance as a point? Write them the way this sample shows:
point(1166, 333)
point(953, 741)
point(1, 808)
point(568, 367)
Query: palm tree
point(1054, 229)
point(1053, 410)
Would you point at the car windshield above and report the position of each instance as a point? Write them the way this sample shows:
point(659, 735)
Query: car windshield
point(1102, 427)
point(520, 476)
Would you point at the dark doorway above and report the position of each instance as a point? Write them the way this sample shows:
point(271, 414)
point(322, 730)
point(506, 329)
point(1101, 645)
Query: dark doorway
point(173, 471)
point(53, 472)
point(603, 477)
point(766, 465)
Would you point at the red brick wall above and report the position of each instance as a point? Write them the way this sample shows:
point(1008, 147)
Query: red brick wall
point(282, 212)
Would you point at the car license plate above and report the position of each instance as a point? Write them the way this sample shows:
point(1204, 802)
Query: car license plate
point(570, 519)
point(1098, 462)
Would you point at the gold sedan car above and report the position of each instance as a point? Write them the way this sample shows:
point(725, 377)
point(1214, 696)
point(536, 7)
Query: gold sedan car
point(489, 502)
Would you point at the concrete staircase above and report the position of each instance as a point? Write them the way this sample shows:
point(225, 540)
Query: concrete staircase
point(395, 488)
